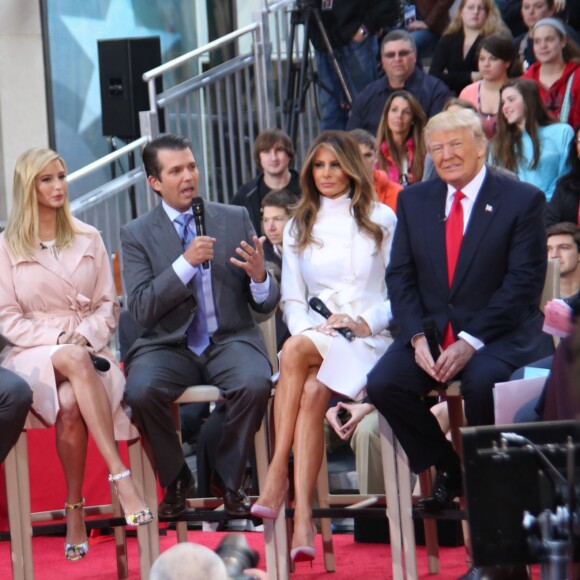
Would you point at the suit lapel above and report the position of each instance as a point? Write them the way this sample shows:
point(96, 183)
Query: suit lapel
point(217, 228)
point(434, 231)
point(163, 231)
point(485, 208)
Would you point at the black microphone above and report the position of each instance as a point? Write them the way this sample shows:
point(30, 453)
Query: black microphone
point(199, 218)
point(4, 342)
point(100, 363)
point(318, 306)
point(442, 219)
point(430, 331)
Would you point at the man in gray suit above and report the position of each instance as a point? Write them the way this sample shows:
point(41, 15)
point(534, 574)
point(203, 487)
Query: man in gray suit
point(198, 324)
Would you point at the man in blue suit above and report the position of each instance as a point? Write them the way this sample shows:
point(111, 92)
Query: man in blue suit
point(483, 300)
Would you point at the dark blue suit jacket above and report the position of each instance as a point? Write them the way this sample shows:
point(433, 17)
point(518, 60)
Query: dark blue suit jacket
point(500, 270)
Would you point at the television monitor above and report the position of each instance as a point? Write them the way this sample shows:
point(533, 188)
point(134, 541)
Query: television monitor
point(501, 482)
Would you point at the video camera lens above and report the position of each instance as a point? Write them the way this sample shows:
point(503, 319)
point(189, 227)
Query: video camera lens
point(237, 556)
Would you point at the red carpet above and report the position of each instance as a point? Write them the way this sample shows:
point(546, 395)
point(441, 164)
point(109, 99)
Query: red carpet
point(368, 561)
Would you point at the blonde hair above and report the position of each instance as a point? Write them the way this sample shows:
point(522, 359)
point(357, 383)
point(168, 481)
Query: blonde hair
point(455, 119)
point(362, 191)
point(21, 234)
point(493, 21)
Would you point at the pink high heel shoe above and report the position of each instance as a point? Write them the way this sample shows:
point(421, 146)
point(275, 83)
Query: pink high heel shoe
point(265, 512)
point(304, 553)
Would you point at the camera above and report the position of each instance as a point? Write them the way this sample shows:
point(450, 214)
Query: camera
point(237, 556)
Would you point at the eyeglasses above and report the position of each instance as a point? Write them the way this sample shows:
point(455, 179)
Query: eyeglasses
point(400, 54)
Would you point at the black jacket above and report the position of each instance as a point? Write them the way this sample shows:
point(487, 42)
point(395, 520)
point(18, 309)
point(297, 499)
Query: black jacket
point(448, 63)
point(345, 17)
point(248, 196)
point(563, 207)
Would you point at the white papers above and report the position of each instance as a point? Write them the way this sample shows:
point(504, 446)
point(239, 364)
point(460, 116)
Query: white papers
point(509, 397)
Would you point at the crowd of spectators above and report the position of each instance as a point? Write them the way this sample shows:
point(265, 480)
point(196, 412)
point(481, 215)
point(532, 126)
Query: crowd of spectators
point(447, 195)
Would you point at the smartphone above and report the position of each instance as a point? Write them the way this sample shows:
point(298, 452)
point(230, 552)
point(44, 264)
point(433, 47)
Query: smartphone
point(343, 416)
point(409, 14)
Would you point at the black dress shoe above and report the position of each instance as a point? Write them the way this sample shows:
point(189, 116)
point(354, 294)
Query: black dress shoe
point(446, 487)
point(236, 502)
point(496, 573)
point(174, 502)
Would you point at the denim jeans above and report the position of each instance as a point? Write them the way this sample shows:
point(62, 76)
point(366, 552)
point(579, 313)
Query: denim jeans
point(426, 40)
point(358, 63)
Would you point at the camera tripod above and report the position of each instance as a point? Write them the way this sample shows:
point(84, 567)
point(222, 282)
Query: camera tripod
point(300, 74)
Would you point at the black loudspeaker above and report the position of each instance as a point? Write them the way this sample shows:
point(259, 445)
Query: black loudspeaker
point(122, 62)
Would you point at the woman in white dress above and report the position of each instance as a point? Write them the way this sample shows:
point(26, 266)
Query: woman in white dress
point(58, 304)
point(336, 248)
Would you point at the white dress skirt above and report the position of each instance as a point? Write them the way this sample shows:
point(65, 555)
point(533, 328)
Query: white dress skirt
point(344, 269)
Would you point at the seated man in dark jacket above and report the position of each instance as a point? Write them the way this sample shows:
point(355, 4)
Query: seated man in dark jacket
point(273, 153)
point(399, 60)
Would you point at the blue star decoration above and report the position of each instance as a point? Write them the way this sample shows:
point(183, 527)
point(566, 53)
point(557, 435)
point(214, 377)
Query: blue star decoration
point(120, 22)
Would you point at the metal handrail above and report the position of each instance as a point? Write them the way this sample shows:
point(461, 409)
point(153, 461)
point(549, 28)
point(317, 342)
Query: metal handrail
point(166, 67)
point(276, 5)
point(107, 159)
point(217, 73)
point(104, 192)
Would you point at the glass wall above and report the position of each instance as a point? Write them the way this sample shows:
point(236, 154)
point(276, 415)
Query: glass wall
point(71, 32)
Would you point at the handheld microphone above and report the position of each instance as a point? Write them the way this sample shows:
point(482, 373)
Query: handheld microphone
point(318, 306)
point(4, 342)
point(100, 363)
point(199, 218)
point(430, 331)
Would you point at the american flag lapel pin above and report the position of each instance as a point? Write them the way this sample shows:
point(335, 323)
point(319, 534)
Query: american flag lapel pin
point(488, 208)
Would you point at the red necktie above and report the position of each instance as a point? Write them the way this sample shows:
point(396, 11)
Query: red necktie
point(453, 239)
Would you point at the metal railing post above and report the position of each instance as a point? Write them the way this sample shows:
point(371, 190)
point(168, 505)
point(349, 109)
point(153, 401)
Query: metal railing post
point(149, 124)
point(266, 69)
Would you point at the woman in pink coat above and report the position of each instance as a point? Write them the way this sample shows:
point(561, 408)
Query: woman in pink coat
point(58, 305)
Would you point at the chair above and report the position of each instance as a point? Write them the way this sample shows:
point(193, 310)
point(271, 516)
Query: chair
point(397, 475)
point(276, 560)
point(327, 500)
point(395, 460)
point(21, 517)
point(511, 396)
